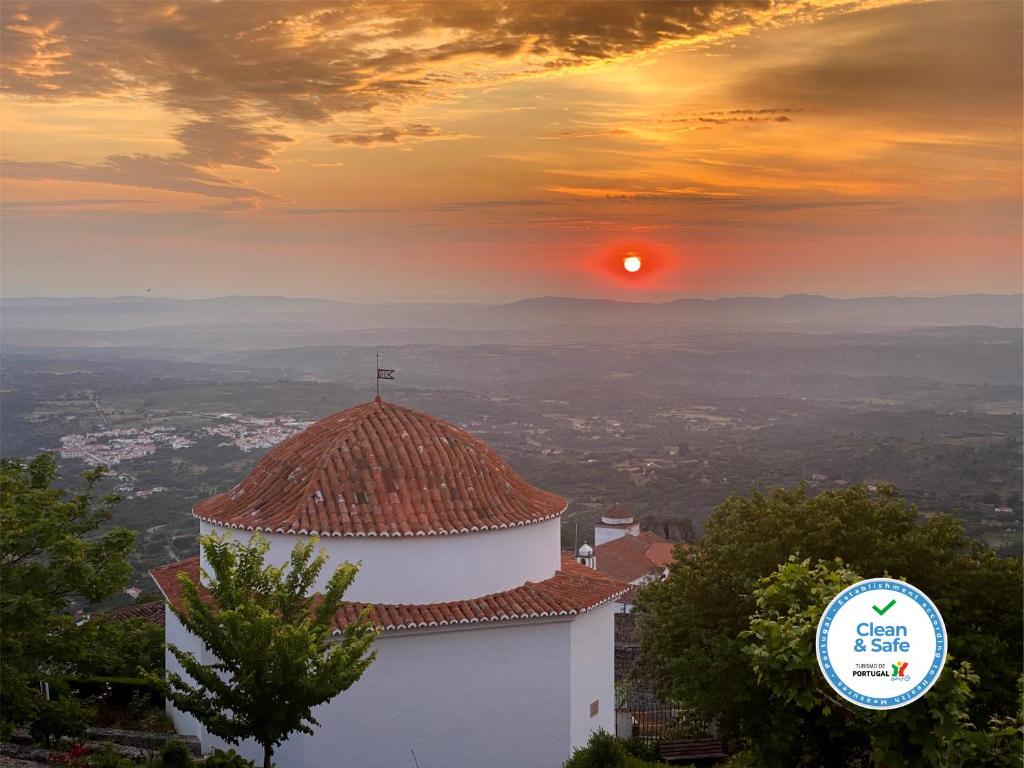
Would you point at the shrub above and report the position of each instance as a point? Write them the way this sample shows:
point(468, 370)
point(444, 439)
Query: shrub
point(175, 755)
point(144, 716)
point(602, 751)
point(112, 648)
point(639, 748)
point(105, 756)
point(57, 719)
point(119, 691)
point(605, 751)
point(230, 759)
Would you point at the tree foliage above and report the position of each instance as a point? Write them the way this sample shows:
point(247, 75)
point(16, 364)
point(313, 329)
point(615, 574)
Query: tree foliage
point(52, 555)
point(109, 647)
point(695, 625)
point(603, 750)
point(932, 732)
point(272, 654)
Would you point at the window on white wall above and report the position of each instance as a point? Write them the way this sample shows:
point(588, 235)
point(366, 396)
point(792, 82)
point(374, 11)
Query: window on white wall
point(595, 707)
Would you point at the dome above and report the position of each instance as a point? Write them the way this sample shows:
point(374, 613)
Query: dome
point(586, 551)
point(380, 470)
point(617, 516)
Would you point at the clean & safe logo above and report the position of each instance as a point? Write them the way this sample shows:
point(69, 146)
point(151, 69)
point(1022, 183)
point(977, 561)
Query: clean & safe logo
point(881, 643)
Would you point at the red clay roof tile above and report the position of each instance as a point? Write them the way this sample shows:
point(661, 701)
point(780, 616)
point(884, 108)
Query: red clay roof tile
point(151, 612)
point(380, 470)
point(629, 558)
point(572, 590)
point(618, 512)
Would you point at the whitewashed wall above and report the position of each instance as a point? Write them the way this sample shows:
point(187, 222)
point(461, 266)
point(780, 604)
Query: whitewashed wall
point(498, 696)
point(495, 696)
point(429, 569)
point(605, 533)
point(592, 673)
point(290, 754)
point(175, 634)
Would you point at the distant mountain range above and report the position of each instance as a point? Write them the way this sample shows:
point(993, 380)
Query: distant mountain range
point(267, 322)
point(967, 309)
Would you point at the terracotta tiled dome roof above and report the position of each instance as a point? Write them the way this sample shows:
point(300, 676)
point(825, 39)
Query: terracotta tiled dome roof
point(380, 470)
point(618, 516)
point(618, 513)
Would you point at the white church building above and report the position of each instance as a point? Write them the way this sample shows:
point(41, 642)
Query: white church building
point(624, 554)
point(495, 648)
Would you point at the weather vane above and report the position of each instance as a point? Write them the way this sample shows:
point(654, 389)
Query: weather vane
point(382, 373)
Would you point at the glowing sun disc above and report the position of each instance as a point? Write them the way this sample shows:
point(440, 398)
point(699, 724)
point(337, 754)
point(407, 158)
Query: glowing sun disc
point(632, 263)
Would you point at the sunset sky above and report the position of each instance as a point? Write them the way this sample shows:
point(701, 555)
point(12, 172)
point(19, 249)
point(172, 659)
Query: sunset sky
point(457, 151)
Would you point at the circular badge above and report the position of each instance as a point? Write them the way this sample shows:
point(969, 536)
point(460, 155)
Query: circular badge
point(881, 643)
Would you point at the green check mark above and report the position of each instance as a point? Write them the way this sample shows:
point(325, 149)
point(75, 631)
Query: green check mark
point(881, 611)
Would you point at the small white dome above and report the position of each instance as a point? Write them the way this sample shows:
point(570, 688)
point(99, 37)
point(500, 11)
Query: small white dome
point(586, 551)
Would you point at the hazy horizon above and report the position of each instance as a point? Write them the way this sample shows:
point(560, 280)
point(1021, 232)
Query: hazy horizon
point(515, 300)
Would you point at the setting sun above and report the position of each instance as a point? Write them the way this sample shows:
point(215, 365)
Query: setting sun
point(632, 263)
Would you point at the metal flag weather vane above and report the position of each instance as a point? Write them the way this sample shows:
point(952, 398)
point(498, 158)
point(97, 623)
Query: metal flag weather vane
point(383, 373)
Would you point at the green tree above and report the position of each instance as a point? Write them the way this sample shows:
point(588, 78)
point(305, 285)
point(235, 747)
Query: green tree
point(932, 732)
point(113, 648)
point(272, 642)
point(692, 623)
point(52, 556)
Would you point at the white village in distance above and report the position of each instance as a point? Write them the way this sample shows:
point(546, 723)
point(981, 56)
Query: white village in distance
point(112, 446)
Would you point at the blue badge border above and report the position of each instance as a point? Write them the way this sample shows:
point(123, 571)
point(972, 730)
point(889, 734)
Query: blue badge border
point(890, 702)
